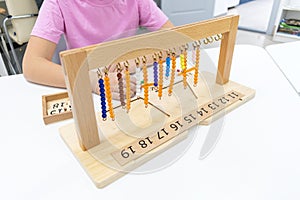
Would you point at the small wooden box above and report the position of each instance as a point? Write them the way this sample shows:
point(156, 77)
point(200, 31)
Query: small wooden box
point(56, 107)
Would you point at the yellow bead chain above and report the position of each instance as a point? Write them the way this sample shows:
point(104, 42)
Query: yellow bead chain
point(182, 61)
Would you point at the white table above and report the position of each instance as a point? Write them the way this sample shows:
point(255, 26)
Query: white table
point(286, 56)
point(257, 156)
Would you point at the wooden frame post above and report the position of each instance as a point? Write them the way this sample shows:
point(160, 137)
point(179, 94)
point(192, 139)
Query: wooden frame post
point(226, 52)
point(77, 78)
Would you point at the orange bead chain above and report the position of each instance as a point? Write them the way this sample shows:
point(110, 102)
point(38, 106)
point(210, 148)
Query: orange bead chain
point(196, 74)
point(146, 89)
point(127, 78)
point(161, 74)
point(109, 96)
point(185, 58)
point(172, 74)
point(184, 68)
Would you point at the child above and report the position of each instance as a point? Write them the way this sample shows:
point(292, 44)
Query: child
point(83, 22)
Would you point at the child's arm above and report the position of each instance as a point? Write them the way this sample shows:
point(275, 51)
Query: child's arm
point(38, 66)
point(168, 24)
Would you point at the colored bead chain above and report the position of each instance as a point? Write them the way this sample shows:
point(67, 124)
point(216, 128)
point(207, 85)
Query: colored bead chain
point(185, 58)
point(161, 74)
point(146, 89)
point(197, 60)
point(138, 78)
point(182, 62)
point(108, 95)
point(172, 74)
point(102, 96)
point(168, 65)
point(155, 72)
point(121, 87)
point(194, 56)
point(127, 78)
point(184, 68)
point(184, 78)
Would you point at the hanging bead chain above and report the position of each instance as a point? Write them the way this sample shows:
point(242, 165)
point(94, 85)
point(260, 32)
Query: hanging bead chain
point(183, 60)
point(108, 95)
point(168, 65)
point(102, 95)
point(120, 84)
point(155, 71)
point(194, 54)
point(146, 89)
point(161, 74)
point(127, 78)
point(197, 61)
point(185, 56)
point(172, 74)
point(138, 78)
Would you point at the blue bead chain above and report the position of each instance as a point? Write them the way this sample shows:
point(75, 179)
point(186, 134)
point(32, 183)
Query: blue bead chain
point(102, 98)
point(155, 70)
point(168, 63)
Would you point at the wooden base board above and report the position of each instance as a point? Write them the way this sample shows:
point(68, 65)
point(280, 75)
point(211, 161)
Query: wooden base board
point(215, 90)
point(101, 174)
point(104, 164)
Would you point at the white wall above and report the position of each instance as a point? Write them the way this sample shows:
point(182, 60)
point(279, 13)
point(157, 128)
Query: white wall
point(295, 3)
point(188, 11)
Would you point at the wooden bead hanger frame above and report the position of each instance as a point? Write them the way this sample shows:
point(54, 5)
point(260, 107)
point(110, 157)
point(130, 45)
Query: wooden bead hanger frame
point(122, 146)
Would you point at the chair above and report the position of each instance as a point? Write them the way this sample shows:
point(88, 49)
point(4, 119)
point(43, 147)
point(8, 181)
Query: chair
point(22, 15)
